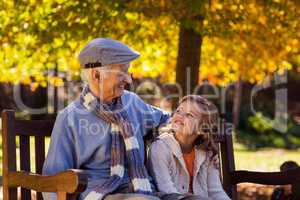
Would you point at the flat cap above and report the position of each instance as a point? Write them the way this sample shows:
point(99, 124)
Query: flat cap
point(105, 51)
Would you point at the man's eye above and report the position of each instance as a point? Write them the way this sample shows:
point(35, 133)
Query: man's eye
point(190, 115)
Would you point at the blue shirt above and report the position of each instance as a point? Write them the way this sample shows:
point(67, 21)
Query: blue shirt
point(81, 140)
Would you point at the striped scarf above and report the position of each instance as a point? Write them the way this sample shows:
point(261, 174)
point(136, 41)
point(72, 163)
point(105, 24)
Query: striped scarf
point(121, 133)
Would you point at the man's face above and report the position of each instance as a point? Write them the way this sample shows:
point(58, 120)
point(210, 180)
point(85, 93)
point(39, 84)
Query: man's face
point(113, 80)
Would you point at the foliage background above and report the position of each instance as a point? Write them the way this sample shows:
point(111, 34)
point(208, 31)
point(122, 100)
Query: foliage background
point(243, 42)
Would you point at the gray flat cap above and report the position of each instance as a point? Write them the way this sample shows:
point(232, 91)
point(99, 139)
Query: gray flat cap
point(104, 51)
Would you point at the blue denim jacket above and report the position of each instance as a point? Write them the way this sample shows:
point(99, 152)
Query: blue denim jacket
point(81, 140)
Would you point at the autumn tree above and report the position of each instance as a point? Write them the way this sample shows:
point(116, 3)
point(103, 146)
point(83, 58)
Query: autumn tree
point(231, 41)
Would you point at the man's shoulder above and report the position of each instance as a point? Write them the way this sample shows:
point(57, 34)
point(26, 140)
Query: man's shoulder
point(70, 108)
point(132, 100)
point(164, 139)
point(72, 111)
point(128, 94)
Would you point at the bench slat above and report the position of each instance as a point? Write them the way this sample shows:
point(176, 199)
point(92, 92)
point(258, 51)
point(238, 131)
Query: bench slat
point(39, 158)
point(34, 127)
point(9, 152)
point(25, 162)
point(266, 178)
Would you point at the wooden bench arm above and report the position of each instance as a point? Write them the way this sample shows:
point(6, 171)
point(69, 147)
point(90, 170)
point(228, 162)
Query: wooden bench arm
point(266, 178)
point(69, 181)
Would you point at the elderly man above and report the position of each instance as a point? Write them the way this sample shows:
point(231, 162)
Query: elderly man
point(102, 131)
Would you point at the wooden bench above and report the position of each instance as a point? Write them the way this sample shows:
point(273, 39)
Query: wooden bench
point(66, 184)
point(70, 183)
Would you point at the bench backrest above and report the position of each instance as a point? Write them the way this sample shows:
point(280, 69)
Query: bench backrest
point(14, 128)
point(22, 130)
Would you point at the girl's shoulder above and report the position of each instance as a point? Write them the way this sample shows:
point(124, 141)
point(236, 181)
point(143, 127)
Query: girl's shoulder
point(165, 135)
point(161, 145)
point(168, 143)
point(165, 140)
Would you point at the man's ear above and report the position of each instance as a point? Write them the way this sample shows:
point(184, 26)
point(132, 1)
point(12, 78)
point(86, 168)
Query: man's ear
point(95, 75)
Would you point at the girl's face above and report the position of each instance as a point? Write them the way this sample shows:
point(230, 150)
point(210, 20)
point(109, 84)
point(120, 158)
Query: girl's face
point(185, 119)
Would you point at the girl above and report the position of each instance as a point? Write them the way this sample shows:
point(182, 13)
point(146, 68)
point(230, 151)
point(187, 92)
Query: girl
point(182, 161)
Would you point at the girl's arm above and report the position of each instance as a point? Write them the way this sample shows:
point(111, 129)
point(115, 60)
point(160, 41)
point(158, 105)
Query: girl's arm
point(158, 161)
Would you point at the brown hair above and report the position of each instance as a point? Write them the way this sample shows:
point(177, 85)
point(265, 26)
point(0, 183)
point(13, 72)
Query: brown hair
point(209, 119)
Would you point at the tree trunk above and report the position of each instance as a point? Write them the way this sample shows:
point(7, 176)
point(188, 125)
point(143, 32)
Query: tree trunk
point(6, 96)
point(237, 102)
point(188, 59)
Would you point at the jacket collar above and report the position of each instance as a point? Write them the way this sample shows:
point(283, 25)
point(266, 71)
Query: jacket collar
point(172, 143)
point(200, 157)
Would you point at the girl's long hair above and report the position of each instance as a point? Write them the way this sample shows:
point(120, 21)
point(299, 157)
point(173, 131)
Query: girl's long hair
point(209, 120)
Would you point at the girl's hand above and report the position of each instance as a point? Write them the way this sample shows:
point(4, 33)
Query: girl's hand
point(216, 161)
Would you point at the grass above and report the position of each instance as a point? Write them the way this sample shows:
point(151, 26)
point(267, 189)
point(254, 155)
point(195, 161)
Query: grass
point(268, 159)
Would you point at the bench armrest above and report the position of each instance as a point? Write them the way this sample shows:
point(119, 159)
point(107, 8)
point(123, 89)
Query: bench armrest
point(266, 178)
point(69, 181)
